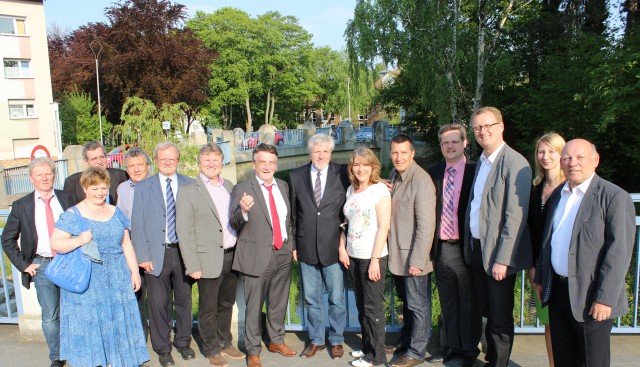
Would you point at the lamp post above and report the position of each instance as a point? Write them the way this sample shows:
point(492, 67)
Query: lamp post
point(96, 52)
point(349, 97)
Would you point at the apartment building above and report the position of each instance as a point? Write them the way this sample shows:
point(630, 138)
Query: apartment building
point(28, 116)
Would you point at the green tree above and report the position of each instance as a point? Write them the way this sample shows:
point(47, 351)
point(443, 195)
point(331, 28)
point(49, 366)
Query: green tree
point(79, 123)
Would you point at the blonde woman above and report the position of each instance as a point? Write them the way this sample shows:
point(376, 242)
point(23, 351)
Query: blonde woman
point(549, 177)
point(364, 251)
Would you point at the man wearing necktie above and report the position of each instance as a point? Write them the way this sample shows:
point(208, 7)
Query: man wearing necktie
point(154, 237)
point(453, 179)
point(317, 196)
point(261, 215)
point(413, 199)
point(32, 220)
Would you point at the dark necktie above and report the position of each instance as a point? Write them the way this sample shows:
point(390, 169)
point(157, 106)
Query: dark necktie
point(447, 205)
point(51, 223)
point(275, 219)
point(171, 214)
point(317, 190)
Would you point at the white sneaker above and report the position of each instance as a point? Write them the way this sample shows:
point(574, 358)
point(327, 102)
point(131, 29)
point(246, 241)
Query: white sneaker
point(361, 363)
point(357, 353)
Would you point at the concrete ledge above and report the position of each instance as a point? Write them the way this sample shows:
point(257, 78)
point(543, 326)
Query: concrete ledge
point(31, 328)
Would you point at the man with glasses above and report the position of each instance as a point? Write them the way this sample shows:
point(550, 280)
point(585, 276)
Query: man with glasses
point(497, 243)
point(453, 179)
point(95, 156)
point(155, 240)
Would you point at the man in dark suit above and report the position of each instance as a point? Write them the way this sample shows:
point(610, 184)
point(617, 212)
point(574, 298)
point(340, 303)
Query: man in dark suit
point(32, 220)
point(95, 156)
point(497, 242)
point(317, 197)
point(154, 237)
point(588, 241)
point(453, 179)
point(207, 245)
point(261, 215)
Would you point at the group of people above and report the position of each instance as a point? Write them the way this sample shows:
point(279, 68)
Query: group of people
point(474, 225)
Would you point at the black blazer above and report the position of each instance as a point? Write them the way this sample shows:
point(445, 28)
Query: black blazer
point(317, 229)
point(437, 175)
point(117, 176)
point(22, 224)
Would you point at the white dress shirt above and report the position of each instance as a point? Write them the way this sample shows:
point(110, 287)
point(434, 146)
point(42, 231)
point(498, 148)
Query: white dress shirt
point(174, 189)
point(323, 178)
point(281, 206)
point(564, 218)
point(44, 246)
point(478, 188)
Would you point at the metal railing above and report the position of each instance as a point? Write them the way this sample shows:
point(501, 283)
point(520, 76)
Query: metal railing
point(247, 141)
point(289, 138)
point(334, 132)
point(17, 181)
point(10, 300)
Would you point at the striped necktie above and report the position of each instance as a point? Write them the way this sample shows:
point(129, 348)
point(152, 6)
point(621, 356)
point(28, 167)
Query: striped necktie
point(171, 214)
point(447, 205)
point(317, 190)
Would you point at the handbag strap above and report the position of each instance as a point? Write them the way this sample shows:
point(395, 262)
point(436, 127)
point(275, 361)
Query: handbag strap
point(83, 222)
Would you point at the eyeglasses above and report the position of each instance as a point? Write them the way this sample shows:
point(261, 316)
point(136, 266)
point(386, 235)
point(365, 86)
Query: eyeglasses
point(453, 142)
point(479, 128)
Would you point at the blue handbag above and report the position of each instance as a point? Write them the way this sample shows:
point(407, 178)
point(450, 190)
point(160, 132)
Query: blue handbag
point(70, 271)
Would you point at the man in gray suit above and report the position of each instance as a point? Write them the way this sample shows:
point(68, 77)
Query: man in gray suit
point(588, 241)
point(496, 231)
point(207, 245)
point(413, 223)
point(261, 215)
point(154, 237)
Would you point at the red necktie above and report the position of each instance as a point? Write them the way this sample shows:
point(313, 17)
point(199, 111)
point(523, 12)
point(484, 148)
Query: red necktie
point(275, 220)
point(51, 223)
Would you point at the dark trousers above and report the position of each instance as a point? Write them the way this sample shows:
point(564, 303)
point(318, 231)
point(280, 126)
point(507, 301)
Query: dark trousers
point(462, 319)
point(141, 297)
point(159, 291)
point(274, 282)
point(217, 297)
point(369, 297)
point(415, 294)
point(579, 344)
point(495, 299)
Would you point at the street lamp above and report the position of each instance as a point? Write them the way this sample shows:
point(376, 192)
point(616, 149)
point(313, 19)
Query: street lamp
point(96, 52)
point(349, 97)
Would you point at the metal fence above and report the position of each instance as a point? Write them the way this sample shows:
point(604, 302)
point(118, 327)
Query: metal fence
point(10, 301)
point(16, 179)
point(334, 132)
point(282, 139)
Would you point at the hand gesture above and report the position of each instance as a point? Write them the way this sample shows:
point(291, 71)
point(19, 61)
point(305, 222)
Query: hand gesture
point(31, 269)
point(85, 237)
point(246, 202)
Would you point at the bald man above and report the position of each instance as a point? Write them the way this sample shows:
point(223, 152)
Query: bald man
point(588, 241)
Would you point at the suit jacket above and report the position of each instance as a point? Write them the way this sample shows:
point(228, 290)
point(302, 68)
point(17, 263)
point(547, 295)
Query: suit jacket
point(504, 233)
point(437, 175)
point(22, 224)
point(255, 236)
point(199, 229)
point(317, 229)
point(600, 251)
point(149, 220)
point(413, 222)
point(117, 176)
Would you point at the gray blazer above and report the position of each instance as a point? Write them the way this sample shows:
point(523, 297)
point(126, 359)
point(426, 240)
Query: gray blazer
point(199, 229)
point(255, 236)
point(148, 220)
point(413, 222)
point(600, 252)
point(504, 233)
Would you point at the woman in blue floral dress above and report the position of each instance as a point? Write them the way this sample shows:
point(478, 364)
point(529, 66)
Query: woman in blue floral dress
point(101, 326)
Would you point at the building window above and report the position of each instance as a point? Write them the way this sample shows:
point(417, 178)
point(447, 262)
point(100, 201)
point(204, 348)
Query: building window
point(17, 68)
point(21, 110)
point(10, 25)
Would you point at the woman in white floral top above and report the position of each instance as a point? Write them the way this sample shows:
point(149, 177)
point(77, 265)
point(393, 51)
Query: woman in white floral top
point(364, 251)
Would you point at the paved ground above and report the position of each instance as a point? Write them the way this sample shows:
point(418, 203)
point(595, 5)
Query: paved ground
point(528, 352)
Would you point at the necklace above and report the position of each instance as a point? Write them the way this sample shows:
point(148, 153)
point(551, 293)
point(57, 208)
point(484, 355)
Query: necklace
point(93, 207)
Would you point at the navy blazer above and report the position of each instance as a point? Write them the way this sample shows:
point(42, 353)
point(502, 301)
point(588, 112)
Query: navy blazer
point(22, 224)
point(317, 229)
point(600, 251)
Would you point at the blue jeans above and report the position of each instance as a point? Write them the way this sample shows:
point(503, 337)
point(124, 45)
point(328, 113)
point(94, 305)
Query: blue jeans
point(49, 300)
point(315, 279)
point(416, 297)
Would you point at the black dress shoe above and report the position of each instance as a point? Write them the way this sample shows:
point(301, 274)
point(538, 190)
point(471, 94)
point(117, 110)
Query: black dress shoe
point(449, 355)
point(187, 353)
point(166, 359)
point(469, 361)
point(57, 363)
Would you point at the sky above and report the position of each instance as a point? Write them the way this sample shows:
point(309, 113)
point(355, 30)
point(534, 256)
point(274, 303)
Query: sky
point(325, 19)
